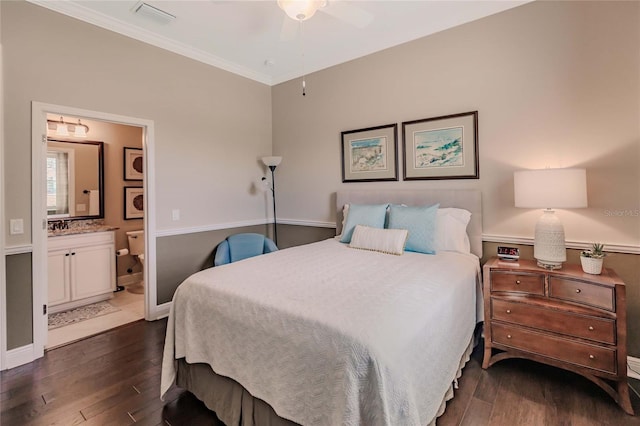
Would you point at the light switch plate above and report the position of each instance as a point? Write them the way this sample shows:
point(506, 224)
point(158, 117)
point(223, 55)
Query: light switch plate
point(175, 214)
point(17, 226)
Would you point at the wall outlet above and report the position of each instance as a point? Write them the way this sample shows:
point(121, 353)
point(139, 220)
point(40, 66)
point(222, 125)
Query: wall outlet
point(17, 226)
point(81, 207)
point(175, 214)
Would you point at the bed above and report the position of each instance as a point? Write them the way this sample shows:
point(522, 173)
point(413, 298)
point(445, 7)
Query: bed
point(324, 334)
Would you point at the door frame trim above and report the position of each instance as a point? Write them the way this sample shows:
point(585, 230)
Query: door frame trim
point(38, 217)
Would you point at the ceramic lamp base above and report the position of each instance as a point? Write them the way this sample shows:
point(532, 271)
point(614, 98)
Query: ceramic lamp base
point(549, 249)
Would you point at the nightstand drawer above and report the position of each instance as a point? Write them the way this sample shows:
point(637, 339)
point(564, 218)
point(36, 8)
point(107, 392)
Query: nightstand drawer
point(582, 292)
point(590, 356)
point(518, 282)
point(592, 328)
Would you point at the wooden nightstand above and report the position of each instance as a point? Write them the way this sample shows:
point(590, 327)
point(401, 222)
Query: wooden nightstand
point(565, 318)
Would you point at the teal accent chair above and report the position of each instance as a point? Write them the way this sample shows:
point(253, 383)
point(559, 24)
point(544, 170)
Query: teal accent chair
point(242, 246)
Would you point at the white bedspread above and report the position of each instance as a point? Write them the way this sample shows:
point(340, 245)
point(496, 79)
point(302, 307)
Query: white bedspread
point(329, 335)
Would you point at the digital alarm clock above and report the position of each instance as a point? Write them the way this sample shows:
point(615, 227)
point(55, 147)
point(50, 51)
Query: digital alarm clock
point(508, 253)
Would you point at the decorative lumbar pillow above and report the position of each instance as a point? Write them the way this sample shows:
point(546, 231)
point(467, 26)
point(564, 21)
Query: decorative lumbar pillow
point(451, 230)
point(371, 215)
point(390, 241)
point(420, 221)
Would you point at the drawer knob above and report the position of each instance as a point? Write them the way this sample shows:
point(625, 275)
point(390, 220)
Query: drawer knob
point(508, 336)
point(578, 290)
point(590, 328)
point(508, 311)
point(592, 357)
point(517, 281)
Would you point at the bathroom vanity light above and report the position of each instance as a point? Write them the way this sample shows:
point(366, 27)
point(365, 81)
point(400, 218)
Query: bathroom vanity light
point(65, 128)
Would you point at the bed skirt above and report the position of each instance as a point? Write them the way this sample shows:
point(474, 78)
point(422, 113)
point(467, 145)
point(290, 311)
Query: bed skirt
point(235, 406)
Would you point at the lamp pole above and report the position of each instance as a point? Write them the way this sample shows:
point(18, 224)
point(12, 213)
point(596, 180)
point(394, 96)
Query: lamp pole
point(272, 162)
point(273, 193)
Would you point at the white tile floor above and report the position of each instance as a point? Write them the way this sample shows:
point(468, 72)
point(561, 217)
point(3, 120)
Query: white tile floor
point(131, 309)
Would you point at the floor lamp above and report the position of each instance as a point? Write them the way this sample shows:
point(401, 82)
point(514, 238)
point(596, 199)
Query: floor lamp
point(272, 163)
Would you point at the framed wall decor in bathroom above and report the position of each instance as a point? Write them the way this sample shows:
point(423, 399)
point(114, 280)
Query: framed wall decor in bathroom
point(133, 164)
point(133, 202)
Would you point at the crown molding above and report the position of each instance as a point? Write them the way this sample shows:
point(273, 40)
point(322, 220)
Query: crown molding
point(90, 16)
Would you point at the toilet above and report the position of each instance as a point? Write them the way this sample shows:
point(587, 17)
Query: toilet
point(136, 249)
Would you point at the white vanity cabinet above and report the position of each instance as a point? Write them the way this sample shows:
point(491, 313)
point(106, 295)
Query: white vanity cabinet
point(81, 269)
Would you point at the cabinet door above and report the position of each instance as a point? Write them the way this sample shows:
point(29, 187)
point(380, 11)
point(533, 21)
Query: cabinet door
point(58, 277)
point(93, 271)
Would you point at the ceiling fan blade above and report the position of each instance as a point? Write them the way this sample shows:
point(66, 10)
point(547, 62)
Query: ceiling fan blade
point(289, 29)
point(348, 13)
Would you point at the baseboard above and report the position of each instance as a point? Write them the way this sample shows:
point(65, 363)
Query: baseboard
point(633, 367)
point(130, 278)
point(19, 356)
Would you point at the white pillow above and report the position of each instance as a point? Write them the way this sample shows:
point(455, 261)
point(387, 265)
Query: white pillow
point(389, 241)
point(451, 230)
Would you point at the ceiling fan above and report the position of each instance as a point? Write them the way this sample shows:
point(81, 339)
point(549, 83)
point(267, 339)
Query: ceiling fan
point(302, 10)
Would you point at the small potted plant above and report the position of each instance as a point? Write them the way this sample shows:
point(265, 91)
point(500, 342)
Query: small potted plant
point(592, 259)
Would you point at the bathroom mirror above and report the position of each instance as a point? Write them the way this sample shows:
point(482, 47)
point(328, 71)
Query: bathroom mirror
point(75, 179)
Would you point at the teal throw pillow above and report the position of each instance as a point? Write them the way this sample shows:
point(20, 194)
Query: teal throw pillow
point(420, 221)
point(372, 215)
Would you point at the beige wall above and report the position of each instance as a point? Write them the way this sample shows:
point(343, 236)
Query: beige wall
point(556, 84)
point(211, 126)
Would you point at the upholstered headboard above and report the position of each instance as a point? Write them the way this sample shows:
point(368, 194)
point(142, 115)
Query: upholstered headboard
point(462, 198)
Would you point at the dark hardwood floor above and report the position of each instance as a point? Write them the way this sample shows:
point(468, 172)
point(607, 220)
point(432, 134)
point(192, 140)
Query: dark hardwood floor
point(114, 379)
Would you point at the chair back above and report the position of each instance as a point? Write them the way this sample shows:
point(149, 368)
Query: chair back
point(242, 246)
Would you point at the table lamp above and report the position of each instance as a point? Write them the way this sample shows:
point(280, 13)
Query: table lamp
point(549, 189)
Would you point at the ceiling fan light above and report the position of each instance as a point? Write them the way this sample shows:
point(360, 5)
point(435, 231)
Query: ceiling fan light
point(300, 10)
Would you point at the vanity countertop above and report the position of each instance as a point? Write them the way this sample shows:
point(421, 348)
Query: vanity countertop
point(81, 230)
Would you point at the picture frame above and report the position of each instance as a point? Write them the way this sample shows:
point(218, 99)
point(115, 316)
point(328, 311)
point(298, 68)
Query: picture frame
point(133, 202)
point(444, 147)
point(370, 154)
point(133, 163)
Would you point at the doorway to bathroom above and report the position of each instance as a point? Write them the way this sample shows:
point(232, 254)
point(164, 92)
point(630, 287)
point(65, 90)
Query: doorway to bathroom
point(95, 216)
point(83, 243)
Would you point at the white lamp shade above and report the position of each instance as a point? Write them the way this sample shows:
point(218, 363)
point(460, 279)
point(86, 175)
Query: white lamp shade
point(271, 161)
point(550, 188)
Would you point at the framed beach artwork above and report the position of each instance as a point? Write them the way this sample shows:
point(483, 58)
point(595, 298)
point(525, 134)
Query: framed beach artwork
point(133, 202)
point(133, 164)
point(441, 147)
point(370, 154)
